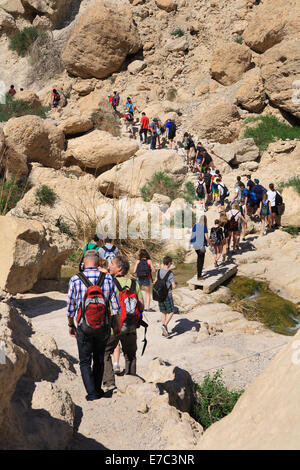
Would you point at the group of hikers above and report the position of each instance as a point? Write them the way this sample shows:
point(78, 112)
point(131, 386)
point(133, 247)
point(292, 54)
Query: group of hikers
point(105, 309)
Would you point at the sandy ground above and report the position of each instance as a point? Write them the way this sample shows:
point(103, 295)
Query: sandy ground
point(113, 422)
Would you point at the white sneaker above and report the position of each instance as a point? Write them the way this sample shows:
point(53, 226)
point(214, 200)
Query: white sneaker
point(116, 368)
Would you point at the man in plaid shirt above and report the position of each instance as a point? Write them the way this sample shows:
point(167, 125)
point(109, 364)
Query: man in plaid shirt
point(91, 347)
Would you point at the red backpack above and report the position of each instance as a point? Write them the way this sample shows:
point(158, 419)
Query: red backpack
point(93, 316)
point(128, 300)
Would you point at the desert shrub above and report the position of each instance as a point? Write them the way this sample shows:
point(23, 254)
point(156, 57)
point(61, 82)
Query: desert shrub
point(106, 120)
point(22, 40)
point(171, 94)
point(64, 227)
point(239, 40)
point(161, 183)
point(11, 192)
point(177, 33)
point(45, 196)
point(292, 182)
point(189, 193)
point(16, 108)
point(45, 57)
point(112, 79)
point(177, 256)
point(292, 230)
point(270, 129)
point(213, 400)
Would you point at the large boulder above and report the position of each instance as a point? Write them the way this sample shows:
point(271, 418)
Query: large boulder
point(251, 95)
point(280, 67)
point(29, 97)
point(99, 149)
point(129, 177)
point(14, 7)
point(36, 138)
point(76, 124)
point(271, 23)
point(291, 214)
point(30, 251)
point(229, 62)
point(166, 5)
point(101, 40)
point(266, 416)
point(218, 122)
point(241, 151)
point(14, 164)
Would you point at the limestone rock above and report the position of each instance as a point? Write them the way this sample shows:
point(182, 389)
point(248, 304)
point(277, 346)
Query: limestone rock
point(218, 122)
point(101, 40)
point(42, 22)
point(7, 22)
point(36, 138)
point(30, 251)
point(251, 94)
point(272, 23)
point(291, 214)
point(166, 5)
point(130, 176)
point(229, 62)
point(29, 97)
point(14, 164)
point(76, 124)
point(177, 382)
point(136, 66)
point(257, 421)
point(177, 44)
point(161, 199)
point(280, 66)
point(84, 87)
point(14, 7)
point(55, 10)
point(245, 151)
point(99, 149)
point(92, 103)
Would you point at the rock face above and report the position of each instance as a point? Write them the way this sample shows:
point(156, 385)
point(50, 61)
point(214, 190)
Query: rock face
point(136, 66)
point(55, 10)
point(167, 5)
point(258, 421)
point(218, 123)
point(129, 177)
point(37, 139)
point(76, 124)
point(271, 23)
point(29, 97)
point(7, 22)
point(34, 414)
point(101, 40)
point(291, 214)
point(241, 151)
point(229, 62)
point(251, 95)
point(99, 149)
point(30, 251)
point(280, 67)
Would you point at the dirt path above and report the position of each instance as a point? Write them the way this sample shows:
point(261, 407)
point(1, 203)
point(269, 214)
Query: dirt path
point(114, 422)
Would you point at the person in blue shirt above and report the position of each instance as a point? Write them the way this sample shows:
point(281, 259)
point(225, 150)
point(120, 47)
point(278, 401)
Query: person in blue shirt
point(171, 130)
point(153, 129)
point(129, 106)
point(200, 240)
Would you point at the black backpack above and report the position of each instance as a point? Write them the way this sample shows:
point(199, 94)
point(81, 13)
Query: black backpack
point(207, 158)
point(160, 290)
point(200, 189)
point(142, 270)
point(173, 128)
point(278, 199)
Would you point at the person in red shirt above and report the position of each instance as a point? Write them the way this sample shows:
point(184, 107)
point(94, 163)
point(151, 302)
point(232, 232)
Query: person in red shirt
point(12, 90)
point(144, 128)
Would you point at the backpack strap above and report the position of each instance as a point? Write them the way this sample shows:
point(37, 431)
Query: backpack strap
point(117, 284)
point(158, 275)
point(133, 285)
point(84, 280)
point(167, 276)
point(100, 279)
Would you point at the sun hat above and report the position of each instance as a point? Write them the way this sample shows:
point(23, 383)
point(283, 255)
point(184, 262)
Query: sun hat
point(256, 181)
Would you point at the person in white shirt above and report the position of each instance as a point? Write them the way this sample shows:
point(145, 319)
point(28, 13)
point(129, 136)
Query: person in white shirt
point(274, 209)
point(234, 216)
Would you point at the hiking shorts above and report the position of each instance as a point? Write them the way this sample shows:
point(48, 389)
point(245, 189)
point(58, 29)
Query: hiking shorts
point(274, 210)
point(201, 197)
point(222, 198)
point(143, 282)
point(167, 306)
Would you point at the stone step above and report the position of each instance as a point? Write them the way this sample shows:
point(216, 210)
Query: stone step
point(214, 277)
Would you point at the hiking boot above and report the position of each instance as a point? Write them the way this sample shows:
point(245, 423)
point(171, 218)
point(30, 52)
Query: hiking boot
point(223, 258)
point(117, 369)
point(165, 331)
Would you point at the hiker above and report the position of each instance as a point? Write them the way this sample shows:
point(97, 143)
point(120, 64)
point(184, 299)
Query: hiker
point(275, 199)
point(162, 292)
point(224, 223)
point(188, 144)
point(200, 240)
point(171, 131)
point(143, 269)
point(128, 292)
point(216, 241)
point(207, 180)
point(214, 186)
point(264, 213)
point(108, 251)
point(129, 107)
point(12, 90)
point(250, 183)
point(144, 128)
point(91, 340)
point(110, 98)
point(201, 192)
point(259, 190)
point(233, 217)
point(202, 159)
point(237, 191)
point(158, 133)
point(153, 129)
point(115, 100)
point(95, 244)
point(55, 99)
point(222, 192)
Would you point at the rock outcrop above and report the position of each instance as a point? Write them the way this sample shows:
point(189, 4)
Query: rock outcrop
point(30, 251)
point(229, 62)
point(218, 123)
point(266, 417)
point(251, 95)
point(101, 40)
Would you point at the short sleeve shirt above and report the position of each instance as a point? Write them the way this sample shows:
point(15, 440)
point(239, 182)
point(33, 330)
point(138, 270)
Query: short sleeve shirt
point(162, 272)
point(126, 281)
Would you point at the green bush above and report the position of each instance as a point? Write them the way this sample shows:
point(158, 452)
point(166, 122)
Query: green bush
point(189, 193)
point(63, 227)
point(213, 400)
point(45, 196)
point(171, 94)
point(16, 108)
point(292, 230)
point(107, 122)
point(11, 192)
point(292, 182)
point(22, 40)
point(269, 129)
point(239, 40)
point(177, 32)
point(160, 183)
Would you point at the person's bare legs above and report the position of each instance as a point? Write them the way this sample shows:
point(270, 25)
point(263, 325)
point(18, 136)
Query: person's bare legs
point(147, 295)
point(166, 317)
point(116, 355)
point(263, 223)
